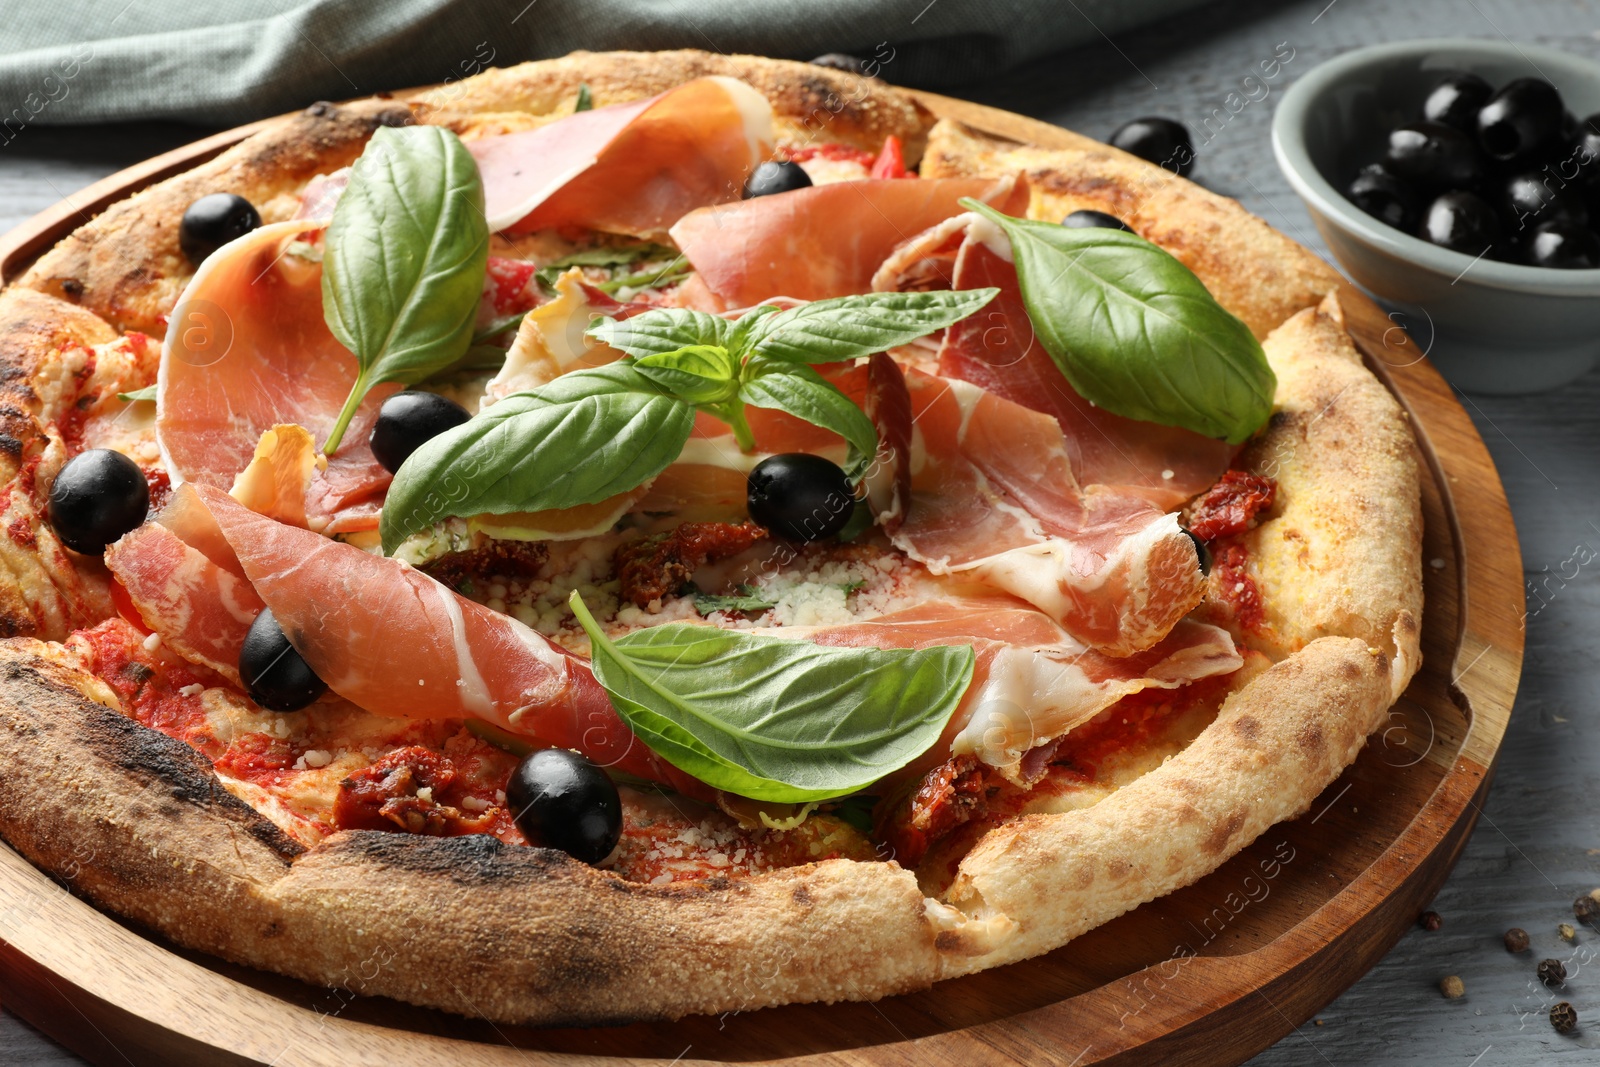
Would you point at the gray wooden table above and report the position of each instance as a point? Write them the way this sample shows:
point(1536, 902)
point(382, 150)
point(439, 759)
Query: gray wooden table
point(1537, 845)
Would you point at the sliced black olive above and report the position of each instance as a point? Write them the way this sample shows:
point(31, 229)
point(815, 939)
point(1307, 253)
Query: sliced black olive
point(1456, 101)
point(1385, 197)
point(1461, 222)
point(1521, 119)
point(98, 496)
point(275, 675)
point(1164, 142)
point(561, 799)
point(1434, 156)
point(841, 61)
point(1563, 245)
point(1085, 219)
point(213, 221)
point(776, 176)
point(1535, 197)
point(410, 419)
point(800, 496)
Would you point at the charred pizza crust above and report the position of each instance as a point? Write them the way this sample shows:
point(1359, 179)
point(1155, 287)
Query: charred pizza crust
point(527, 935)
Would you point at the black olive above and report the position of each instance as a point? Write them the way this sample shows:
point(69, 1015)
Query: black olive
point(1563, 245)
point(410, 419)
point(1534, 197)
point(776, 176)
point(1085, 219)
point(841, 61)
point(1521, 119)
point(213, 221)
point(1385, 197)
point(800, 496)
point(275, 675)
point(1456, 100)
point(1461, 222)
point(1164, 142)
point(561, 799)
point(98, 496)
point(1585, 154)
point(1434, 156)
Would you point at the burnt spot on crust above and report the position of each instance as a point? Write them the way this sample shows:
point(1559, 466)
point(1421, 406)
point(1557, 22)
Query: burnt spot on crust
point(320, 110)
point(186, 775)
point(472, 859)
point(1247, 727)
point(71, 288)
point(1218, 841)
point(9, 445)
point(802, 895)
point(1311, 740)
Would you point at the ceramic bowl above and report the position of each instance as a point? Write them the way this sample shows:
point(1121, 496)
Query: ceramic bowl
point(1489, 326)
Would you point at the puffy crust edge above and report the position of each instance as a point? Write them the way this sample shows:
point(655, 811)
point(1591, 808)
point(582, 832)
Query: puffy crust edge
point(1276, 744)
point(139, 823)
point(125, 264)
point(1341, 552)
point(1252, 270)
point(44, 591)
point(809, 102)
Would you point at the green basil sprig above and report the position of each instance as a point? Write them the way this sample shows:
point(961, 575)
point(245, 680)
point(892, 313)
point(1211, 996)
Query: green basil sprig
point(771, 351)
point(147, 393)
point(1135, 331)
point(585, 437)
point(589, 435)
point(773, 719)
point(403, 260)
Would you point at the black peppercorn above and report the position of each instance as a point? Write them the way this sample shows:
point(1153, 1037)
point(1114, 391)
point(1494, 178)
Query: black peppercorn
point(1429, 921)
point(1516, 939)
point(1586, 908)
point(1564, 1017)
point(1552, 972)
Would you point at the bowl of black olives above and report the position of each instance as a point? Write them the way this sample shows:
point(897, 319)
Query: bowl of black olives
point(1457, 181)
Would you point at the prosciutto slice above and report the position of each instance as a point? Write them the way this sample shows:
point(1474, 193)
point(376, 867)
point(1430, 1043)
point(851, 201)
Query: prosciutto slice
point(186, 585)
point(993, 495)
point(247, 349)
point(632, 168)
point(825, 241)
point(997, 350)
point(1033, 681)
point(394, 641)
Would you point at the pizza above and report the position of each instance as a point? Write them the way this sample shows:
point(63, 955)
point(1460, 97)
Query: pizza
point(644, 534)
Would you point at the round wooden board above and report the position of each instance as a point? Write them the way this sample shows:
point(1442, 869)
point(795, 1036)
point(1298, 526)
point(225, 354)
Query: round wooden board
point(1208, 975)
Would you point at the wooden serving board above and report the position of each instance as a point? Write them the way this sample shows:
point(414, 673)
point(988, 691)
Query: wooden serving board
point(1211, 974)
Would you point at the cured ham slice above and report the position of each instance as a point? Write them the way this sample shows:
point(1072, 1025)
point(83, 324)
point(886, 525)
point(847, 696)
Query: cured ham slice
point(201, 607)
point(632, 168)
point(997, 350)
point(394, 641)
point(993, 495)
point(825, 241)
point(247, 350)
point(1033, 682)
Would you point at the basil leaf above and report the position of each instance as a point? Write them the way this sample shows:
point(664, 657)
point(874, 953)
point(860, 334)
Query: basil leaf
point(851, 327)
point(700, 374)
point(585, 98)
point(147, 393)
point(1135, 331)
point(404, 258)
point(774, 719)
point(661, 330)
point(747, 600)
point(672, 273)
point(583, 438)
point(805, 394)
point(498, 327)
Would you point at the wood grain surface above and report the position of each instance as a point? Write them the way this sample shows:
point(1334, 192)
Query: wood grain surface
point(1297, 916)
